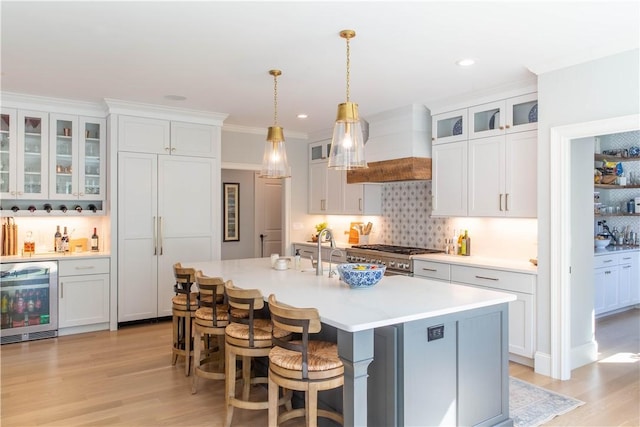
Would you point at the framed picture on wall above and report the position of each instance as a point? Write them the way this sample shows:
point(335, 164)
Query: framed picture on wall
point(231, 215)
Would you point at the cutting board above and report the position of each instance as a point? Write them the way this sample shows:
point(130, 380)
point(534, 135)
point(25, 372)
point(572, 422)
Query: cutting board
point(78, 242)
point(354, 237)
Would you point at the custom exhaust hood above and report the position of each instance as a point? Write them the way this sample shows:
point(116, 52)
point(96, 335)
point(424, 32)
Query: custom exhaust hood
point(399, 147)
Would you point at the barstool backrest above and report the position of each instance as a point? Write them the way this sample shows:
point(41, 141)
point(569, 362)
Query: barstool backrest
point(212, 287)
point(303, 321)
point(185, 277)
point(249, 300)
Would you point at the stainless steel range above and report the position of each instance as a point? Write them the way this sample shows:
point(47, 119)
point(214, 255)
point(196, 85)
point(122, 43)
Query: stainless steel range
point(396, 258)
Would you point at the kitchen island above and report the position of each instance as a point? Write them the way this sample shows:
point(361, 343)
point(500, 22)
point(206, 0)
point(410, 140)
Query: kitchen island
point(440, 349)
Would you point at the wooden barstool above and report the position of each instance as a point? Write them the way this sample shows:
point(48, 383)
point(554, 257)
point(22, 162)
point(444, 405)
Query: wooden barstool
point(209, 323)
point(303, 365)
point(248, 338)
point(184, 306)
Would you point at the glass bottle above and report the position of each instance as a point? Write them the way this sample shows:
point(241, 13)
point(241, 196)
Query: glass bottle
point(57, 244)
point(94, 240)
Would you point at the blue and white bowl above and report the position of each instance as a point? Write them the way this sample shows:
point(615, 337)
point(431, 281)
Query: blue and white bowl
point(359, 275)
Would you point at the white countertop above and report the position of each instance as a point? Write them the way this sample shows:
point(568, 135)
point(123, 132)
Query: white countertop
point(615, 249)
point(518, 266)
point(394, 300)
point(55, 256)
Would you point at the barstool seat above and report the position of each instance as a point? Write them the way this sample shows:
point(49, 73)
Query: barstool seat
point(247, 338)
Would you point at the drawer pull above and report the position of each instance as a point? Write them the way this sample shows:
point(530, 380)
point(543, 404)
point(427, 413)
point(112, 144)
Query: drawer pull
point(429, 269)
point(608, 260)
point(88, 267)
point(487, 278)
point(626, 266)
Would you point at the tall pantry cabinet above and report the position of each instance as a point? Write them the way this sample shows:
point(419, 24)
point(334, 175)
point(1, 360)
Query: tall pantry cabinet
point(168, 205)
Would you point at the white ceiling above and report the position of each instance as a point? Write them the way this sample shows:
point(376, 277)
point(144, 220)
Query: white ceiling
point(217, 54)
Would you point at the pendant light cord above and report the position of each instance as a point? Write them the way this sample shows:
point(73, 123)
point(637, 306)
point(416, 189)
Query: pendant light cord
point(275, 99)
point(348, 67)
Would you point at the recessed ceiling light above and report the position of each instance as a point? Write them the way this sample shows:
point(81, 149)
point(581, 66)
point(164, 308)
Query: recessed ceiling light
point(302, 116)
point(175, 97)
point(466, 62)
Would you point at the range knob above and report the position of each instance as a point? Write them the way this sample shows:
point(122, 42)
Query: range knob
point(392, 264)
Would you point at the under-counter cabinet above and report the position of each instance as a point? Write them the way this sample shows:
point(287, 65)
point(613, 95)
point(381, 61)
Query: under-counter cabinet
point(617, 281)
point(521, 311)
point(77, 162)
point(432, 270)
point(83, 302)
point(24, 144)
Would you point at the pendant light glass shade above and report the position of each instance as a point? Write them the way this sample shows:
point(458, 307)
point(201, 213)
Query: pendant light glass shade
point(274, 160)
point(347, 145)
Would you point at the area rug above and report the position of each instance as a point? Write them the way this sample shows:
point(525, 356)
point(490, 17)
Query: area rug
point(531, 406)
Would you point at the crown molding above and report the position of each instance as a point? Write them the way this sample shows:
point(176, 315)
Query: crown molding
point(50, 104)
point(118, 106)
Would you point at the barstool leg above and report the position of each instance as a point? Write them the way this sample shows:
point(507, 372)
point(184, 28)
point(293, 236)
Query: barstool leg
point(176, 340)
point(196, 357)
point(273, 402)
point(230, 383)
point(246, 377)
point(187, 346)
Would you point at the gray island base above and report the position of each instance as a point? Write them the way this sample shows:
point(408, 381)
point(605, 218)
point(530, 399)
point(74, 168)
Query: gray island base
point(416, 352)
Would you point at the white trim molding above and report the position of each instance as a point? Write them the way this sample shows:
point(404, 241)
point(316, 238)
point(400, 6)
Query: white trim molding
point(562, 353)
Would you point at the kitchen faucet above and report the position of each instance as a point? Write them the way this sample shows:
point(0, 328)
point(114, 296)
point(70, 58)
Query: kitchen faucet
point(325, 232)
point(331, 272)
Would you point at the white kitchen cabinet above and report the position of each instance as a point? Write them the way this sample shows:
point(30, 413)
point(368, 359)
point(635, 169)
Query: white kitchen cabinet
point(83, 293)
point(521, 311)
point(24, 171)
point(449, 185)
point(149, 135)
point(329, 192)
point(449, 127)
point(432, 270)
point(502, 175)
point(165, 208)
point(516, 114)
point(616, 280)
point(77, 162)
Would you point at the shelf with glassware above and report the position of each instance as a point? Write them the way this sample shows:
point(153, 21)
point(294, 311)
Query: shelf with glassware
point(23, 154)
point(78, 160)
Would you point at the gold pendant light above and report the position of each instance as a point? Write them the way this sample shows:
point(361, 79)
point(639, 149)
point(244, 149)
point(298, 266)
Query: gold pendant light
point(274, 161)
point(347, 145)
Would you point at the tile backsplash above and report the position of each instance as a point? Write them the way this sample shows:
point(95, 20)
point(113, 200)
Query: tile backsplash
point(406, 220)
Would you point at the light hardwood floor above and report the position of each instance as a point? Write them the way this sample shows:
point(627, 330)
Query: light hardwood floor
point(125, 378)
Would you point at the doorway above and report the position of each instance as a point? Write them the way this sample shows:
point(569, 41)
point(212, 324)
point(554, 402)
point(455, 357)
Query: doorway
point(260, 200)
point(560, 224)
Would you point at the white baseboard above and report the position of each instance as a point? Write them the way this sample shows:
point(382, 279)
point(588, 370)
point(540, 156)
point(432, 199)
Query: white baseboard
point(542, 363)
point(82, 329)
point(584, 354)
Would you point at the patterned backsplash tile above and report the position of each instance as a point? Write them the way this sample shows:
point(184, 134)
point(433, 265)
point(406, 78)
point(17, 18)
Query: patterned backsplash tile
point(405, 220)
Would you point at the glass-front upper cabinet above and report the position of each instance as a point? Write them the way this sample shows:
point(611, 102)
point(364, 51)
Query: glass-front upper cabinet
point(517, 114)
point(23, 155)
point(77, 158)
point(449, 127)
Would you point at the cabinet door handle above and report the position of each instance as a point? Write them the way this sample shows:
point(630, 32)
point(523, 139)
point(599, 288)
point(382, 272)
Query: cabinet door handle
point(507, 126)
point(506, 202)
point(500, 202)
point(501, 127)
point(360, 204)
point(155, 236)
point(429, 269)
point(88, 267)
point(608, 260)
point(626, 266)
point(487, 278)
point(166, 148)
point(160, 236)
point(61, 289)
point(323, 205)
point(173, 150)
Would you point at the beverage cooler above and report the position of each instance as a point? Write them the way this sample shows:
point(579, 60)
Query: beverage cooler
point(29, 292)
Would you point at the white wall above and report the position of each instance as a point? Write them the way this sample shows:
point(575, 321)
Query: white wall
point(600, 89)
